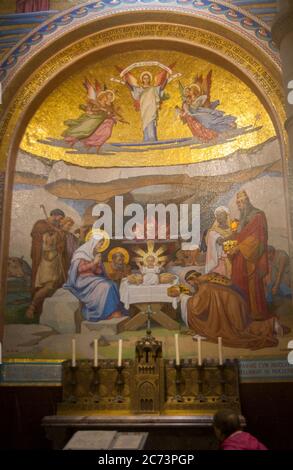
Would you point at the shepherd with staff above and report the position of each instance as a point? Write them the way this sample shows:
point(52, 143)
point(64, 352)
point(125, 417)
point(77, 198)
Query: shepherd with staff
point(46, 253)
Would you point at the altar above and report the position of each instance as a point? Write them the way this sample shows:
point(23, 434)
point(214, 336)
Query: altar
point(164, 398)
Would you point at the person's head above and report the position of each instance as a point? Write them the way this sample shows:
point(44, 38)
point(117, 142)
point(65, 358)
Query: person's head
point(146, 79)
point(56, 215)
point(105, 98)
point(118, 259)
point(66, 224)
point(192, 278)
point(186, 91)
point(242, 200)
point(109, 97)
point(98, 245)
point(226, 422)
point(195, 90)
point(150, 261)
point(221, 214)
point(271, 252)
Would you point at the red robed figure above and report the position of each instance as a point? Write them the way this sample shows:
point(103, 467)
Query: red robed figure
point(250, 263)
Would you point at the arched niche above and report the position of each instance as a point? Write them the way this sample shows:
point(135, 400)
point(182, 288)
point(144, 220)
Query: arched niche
point(31, 77)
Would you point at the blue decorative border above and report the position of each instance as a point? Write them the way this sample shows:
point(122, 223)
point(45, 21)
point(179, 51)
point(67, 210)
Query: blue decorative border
point(215, 9)
point(30, 373)
point(44, 373)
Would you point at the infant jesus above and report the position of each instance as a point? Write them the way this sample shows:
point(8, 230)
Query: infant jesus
point(150, 270)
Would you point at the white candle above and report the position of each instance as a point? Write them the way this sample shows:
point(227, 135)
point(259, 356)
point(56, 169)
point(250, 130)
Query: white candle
point(73, 361)
point(220, 351)
point(0, 352)
point(177, 349)
point(120, 353)
point(199, 351)
point(95, 353)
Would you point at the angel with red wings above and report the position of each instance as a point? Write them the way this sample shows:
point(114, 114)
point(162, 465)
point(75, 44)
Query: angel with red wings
point(94, 127)
point(148, 93)
point(200, 113)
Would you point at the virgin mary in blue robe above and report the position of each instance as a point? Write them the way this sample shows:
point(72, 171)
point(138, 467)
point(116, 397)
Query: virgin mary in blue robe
point(87, 280)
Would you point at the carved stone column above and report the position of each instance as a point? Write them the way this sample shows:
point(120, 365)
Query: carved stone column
point(282, 31)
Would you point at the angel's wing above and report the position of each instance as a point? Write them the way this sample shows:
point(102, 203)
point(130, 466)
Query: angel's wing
point(128, 78)
point(161, 79)
point(131, 81)
point(206, 85)
point(98, 87)
point(92, 89)
point(198, 80)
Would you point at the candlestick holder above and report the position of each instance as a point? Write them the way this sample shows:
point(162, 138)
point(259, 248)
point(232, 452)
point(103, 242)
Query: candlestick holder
point(223, 397)
point(178, 382)
point(200, 375)
point(73, 384)
point(119, 385)
point(149, 316)
point(95, 385)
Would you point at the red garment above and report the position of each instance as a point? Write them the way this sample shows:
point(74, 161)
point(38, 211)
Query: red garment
point(28, 6)
point(198, 130)
point(88, 268)
point(241, 440)
point(250, 264)
point(101, 134)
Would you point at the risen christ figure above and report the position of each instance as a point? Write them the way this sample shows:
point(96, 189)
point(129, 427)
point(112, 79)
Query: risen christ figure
point(147, 99)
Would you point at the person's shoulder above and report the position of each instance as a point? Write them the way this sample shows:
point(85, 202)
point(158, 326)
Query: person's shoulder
point(241, 440)
point(257, 217)
point(215, 278)
point(40, 224)
point(258, 213)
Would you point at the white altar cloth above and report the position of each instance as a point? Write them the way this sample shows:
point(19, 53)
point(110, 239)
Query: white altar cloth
point(132, 294)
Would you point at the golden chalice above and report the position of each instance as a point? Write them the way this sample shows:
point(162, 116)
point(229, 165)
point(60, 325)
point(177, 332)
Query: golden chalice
point(135, 279)
point(175, 291)
point(229, 245)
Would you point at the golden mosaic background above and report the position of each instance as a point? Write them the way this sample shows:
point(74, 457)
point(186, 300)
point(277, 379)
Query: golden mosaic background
point(235, 98)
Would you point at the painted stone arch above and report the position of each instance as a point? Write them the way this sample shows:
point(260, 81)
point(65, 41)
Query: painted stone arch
point(48, 70)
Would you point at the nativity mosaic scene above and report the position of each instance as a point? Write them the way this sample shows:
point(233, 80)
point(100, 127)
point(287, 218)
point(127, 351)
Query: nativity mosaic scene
point(70, 278)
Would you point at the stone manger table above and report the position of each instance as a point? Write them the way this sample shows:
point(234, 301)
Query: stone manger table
point(153, 296)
